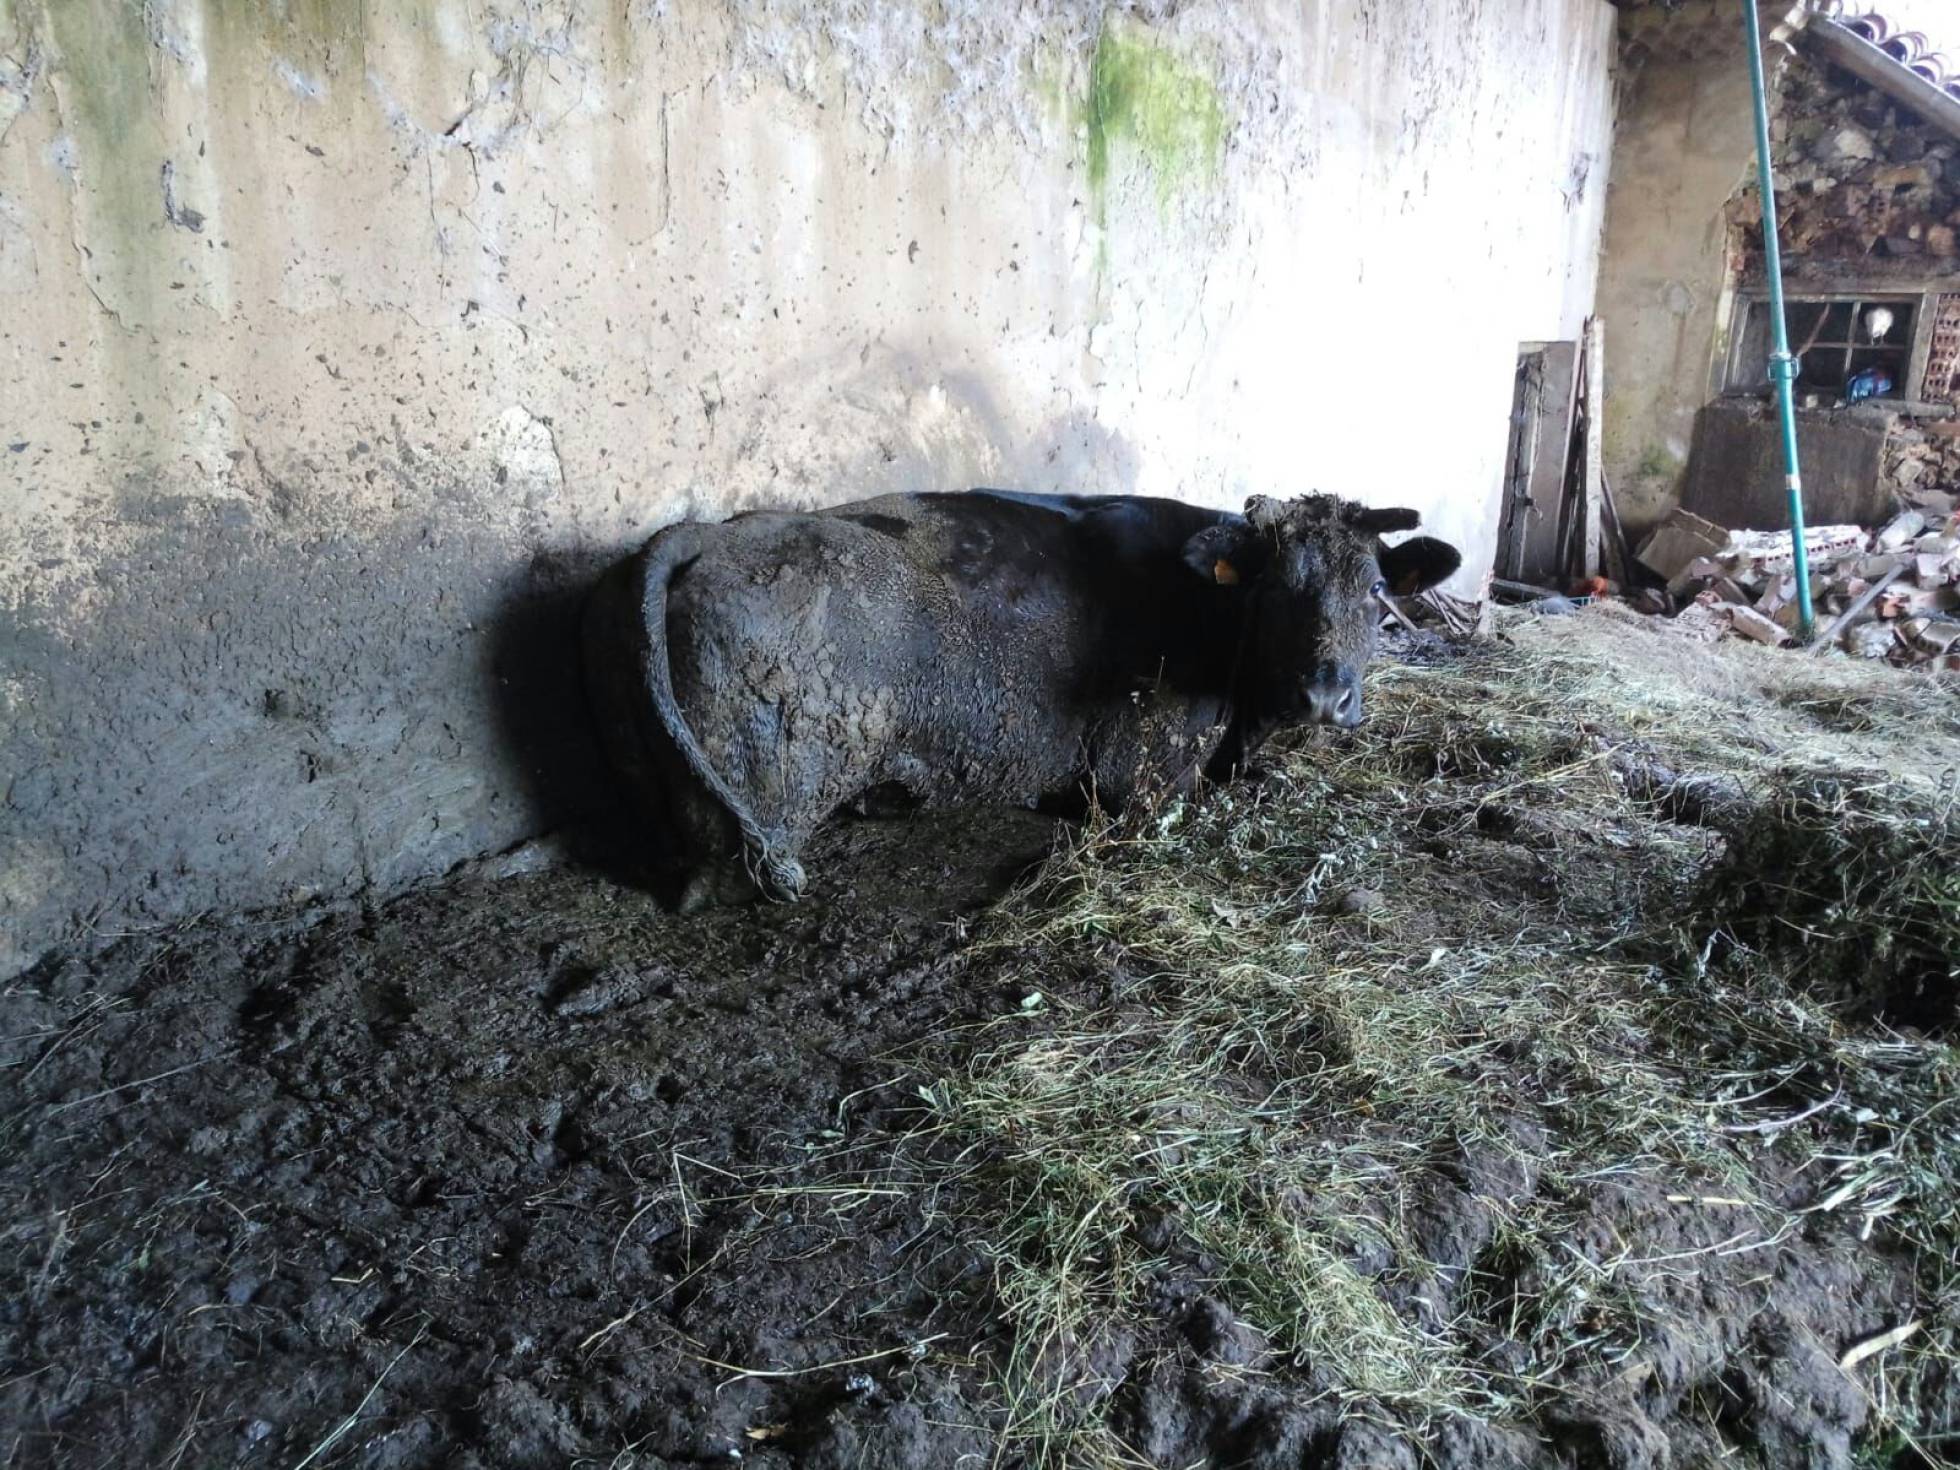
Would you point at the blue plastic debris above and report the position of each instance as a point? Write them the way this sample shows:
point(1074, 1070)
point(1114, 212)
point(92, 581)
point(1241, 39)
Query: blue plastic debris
point(1870, 383)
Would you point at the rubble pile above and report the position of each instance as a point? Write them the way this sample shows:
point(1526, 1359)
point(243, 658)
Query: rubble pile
point(1890, 593)
point(1925, 454)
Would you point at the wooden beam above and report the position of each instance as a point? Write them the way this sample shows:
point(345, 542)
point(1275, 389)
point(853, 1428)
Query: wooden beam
point(1595, 518)
point(1617, 534)
point(1395, 611)
point(1514, 522)
point(1904, 408)
point(1540, 556)
point(1528, 591)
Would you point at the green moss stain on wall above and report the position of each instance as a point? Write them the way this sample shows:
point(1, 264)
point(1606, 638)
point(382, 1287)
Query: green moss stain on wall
point(330, 22)
point(1050, 81)
point(104, 87)
point(317, 38)
point(323, 20)
point(1658, 463)
point(1165, 108)
point(114, 62)
point(105, 58)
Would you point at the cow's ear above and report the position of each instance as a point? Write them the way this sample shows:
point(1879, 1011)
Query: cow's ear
point(1227, 553)
point(1418, 564)
point(1381, 521)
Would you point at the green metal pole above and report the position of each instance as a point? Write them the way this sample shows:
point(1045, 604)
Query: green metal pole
point(1782, 366)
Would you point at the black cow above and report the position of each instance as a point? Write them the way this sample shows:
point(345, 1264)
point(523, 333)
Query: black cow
point(753, 676)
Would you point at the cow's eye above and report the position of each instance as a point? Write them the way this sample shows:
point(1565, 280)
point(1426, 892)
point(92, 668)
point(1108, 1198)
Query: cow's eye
point(1380, 589)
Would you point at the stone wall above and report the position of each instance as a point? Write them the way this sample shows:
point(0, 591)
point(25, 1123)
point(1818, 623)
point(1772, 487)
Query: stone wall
point(1866, 190)
point(341, 340)
point(1923, 456)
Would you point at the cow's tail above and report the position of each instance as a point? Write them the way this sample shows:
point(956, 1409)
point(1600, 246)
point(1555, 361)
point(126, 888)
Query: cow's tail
point(770, 859)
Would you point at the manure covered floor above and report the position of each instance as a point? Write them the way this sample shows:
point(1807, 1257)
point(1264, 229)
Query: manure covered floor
point(1415, 1102)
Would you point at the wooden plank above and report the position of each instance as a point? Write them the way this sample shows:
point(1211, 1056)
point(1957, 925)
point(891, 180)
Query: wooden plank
point(1924, 321)
point(1617, 534)
point(1905, 408)
point(1540, 561)
point(1527, 590)
point(1394, 610)
point(1518, 460)
point(1592, 528)
point(1568, 565)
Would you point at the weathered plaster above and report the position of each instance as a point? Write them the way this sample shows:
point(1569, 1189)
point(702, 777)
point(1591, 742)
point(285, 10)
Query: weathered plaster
point(342, 338)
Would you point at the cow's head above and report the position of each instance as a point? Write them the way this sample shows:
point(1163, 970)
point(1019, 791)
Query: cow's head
point(1312, 571)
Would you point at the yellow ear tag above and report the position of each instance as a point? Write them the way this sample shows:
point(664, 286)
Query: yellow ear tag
point(1224, 573)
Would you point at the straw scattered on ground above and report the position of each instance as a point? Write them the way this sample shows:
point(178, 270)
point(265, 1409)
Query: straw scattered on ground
point(1468, 1064)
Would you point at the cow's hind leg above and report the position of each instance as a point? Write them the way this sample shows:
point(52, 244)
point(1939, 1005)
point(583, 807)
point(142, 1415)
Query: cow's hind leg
point(721, 882)
point(723, 868)
point(715, 871)
point(736, 880)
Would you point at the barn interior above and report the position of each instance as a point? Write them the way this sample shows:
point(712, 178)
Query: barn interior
point(1553, 1072)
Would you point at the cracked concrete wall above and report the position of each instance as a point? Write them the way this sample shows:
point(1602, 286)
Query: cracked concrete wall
point(340, 340)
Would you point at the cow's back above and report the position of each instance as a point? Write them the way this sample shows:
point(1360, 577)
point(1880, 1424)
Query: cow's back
point(816, 656)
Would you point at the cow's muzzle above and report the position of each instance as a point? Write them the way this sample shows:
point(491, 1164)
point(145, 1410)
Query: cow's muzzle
point(1331, 695)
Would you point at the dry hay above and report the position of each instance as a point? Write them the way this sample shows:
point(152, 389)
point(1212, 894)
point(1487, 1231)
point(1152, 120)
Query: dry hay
point(1586, 921)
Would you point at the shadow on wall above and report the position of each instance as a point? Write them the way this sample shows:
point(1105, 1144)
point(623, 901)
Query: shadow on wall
point(544, 723)
point(225, 704)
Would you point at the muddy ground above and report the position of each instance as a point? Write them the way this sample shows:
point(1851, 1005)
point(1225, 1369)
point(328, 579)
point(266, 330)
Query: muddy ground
point(473, 1150)
point(526, 1171)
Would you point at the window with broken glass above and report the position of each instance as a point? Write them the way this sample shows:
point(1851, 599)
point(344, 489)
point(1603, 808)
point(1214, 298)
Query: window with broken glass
point(1846, 347)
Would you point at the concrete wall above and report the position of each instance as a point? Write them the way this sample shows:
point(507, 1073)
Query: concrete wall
point(341, 339)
